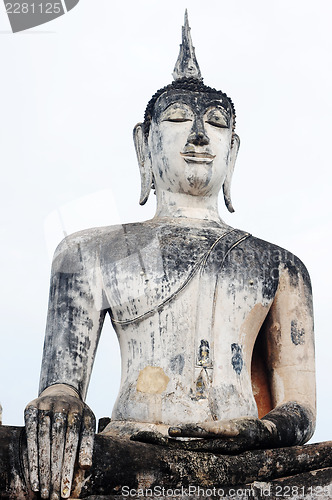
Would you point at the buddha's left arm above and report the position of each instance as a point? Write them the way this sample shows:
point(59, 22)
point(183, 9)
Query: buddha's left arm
point(290, 356)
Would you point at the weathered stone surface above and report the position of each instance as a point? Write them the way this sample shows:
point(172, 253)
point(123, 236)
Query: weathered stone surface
point(12, 482)
point(120, 465)
point(213, 324)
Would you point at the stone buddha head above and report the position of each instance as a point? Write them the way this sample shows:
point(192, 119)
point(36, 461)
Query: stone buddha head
point(187, 142)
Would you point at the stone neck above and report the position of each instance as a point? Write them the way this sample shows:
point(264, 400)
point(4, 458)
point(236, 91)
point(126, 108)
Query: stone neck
point(182, 205)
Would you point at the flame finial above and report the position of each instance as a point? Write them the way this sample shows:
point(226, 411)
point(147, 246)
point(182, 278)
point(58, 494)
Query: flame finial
point(186, 65)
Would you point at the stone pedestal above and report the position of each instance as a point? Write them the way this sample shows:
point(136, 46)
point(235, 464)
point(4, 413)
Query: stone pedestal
point(123, 468)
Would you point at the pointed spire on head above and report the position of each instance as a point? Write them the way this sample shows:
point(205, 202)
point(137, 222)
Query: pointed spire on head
point(186, 65)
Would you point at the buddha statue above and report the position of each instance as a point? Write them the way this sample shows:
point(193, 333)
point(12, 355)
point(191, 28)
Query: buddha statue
point(215, 325)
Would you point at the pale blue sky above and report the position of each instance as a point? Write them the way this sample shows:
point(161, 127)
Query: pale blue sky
point(71, 92)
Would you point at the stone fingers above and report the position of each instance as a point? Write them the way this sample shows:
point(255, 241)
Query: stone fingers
point(187, 430)
point(58, 434)
point(44, 452)
point(31, 425)
point(222, 428)
point(70, 451)
point(205, 430)
point(53, 427)
point(152, 437)
point(87, 439)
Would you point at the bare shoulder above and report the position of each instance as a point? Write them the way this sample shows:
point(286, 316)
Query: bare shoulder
point(86, 238)
point(279, 261)
point(84, 247)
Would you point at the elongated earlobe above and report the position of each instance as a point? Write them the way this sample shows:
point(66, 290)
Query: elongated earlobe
point(228, 180)
point(144, 163)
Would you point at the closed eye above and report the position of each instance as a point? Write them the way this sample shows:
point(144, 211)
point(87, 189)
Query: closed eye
point(217, 117)
point(216, 124)
point(177, 113)
point(177, 120)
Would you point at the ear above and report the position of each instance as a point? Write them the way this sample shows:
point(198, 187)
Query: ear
point(231, 164)
point(144, 163)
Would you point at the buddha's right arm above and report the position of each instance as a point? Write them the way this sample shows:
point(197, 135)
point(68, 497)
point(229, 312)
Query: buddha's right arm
point(58, 423)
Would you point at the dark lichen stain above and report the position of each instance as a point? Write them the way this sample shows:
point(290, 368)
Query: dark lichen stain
point(298, 335)
point(88, 323)
point(177, 364)
point(133, 345)
point(267, 264)
point(293, 273)
point(152, 341)
point(237, 360)
point(270, 285)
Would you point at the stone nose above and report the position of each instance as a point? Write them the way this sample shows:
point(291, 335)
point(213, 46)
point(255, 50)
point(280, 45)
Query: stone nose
point(200, 139)
point(197, 135)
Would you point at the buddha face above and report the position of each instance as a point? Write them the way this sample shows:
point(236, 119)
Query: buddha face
point(190, 142)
